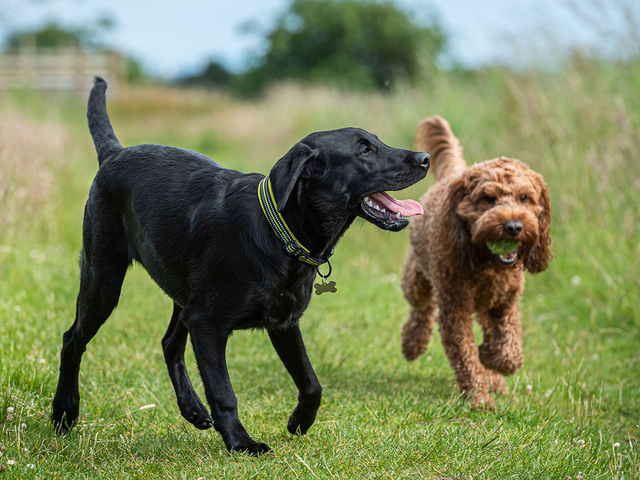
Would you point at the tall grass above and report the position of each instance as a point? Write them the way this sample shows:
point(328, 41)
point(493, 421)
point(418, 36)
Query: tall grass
point(572, 411)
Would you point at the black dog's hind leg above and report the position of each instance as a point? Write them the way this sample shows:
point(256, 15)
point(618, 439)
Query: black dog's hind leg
point(103, 264)
point(209, 345)
point(173, 345)
point(291, 350)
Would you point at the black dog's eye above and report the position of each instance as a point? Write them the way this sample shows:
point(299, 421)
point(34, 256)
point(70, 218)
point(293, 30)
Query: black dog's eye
point(489, 199)
point(524, 198)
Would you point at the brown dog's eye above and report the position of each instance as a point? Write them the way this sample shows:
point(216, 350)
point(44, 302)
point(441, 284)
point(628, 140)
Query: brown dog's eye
point(524, 198)
point(489, 199)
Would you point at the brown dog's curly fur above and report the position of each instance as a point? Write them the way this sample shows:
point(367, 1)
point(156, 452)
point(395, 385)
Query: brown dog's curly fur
point(450, 266)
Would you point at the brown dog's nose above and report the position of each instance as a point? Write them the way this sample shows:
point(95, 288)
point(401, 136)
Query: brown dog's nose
point(422, 159)
point(513, 227)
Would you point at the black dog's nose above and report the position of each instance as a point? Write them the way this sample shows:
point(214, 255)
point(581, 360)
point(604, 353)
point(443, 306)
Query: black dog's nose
point(513, 227)
point(422, 159)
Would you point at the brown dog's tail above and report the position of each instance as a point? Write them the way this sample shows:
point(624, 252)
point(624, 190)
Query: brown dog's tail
point(434, 135)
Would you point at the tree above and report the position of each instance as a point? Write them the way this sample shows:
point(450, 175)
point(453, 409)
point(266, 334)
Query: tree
point(54, 35)
point(214, 75)
point(361, 44)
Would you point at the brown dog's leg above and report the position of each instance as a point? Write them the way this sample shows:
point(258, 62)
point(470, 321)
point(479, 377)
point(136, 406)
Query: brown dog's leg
point(496, 380)
point(459, 344)
point(503, 352)
point(417, 329)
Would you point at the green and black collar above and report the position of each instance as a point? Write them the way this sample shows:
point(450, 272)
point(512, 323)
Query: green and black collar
point(291, 244)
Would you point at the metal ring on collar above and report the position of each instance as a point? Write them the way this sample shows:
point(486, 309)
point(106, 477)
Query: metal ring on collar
point(327, 275)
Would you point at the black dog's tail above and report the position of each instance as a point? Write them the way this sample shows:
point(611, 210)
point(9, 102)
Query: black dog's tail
point(99, 125)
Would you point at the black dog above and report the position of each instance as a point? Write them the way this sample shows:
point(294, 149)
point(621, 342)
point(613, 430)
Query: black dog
point(200, 232)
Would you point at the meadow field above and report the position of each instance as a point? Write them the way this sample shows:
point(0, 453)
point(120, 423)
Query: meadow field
point(572, 411)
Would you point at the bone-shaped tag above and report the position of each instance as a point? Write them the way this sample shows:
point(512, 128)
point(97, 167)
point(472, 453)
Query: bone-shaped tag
point(326, 287)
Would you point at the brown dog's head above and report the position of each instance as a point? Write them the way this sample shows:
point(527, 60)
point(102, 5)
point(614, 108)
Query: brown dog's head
point(503, 201)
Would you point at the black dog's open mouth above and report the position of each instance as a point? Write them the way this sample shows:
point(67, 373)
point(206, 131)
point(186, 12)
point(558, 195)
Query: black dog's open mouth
point(386, 212)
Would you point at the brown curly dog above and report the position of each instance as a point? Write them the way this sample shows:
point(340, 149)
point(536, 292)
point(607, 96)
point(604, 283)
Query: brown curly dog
point(451, 266)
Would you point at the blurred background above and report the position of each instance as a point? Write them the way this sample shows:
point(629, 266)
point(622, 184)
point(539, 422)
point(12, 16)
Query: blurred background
point(246, 45)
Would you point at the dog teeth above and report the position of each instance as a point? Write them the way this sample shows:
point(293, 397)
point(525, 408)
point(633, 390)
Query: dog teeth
point(379, 208)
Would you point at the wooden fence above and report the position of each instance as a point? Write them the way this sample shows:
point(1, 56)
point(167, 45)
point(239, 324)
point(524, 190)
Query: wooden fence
point(60, 69)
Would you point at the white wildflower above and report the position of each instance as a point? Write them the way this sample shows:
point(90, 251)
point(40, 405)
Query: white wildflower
point(42, 360)
point(616, 445)
point(31, 466)
point(11, 462)
point(576, 280)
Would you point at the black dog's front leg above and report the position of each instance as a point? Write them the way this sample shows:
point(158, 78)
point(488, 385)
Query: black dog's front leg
point(291, 350)
point(209, 345)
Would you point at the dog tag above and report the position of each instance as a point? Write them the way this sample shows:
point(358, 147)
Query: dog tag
point(326, 287)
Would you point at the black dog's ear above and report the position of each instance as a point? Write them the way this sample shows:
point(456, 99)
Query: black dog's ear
point(299, 162)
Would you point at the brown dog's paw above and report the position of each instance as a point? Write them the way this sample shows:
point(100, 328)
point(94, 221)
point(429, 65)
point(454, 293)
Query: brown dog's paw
point(502, 357)
point(483, 402)
point(479, 395)
point(498, 385)
point(415, 335)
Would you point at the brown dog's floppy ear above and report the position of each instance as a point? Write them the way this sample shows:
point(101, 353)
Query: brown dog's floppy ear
point(455, 230)
point(299, 162)
point(537, 259)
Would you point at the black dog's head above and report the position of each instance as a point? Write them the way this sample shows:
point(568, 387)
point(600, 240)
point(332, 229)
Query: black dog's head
point(345, 173)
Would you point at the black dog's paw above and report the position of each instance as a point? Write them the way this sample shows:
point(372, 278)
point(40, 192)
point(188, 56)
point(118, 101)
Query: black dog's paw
point(252, 448)
point(300, 421)
point(198, 416)
point(63, 421)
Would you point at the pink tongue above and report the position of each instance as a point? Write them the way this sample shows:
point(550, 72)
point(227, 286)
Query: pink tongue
point(406, 208)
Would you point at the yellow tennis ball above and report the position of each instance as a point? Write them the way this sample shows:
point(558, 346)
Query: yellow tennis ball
point(502, 247)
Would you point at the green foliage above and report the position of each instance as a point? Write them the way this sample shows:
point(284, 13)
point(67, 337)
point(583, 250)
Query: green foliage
point(355, 44)
point(214, 75)
point(135, 72)
point(53, 34)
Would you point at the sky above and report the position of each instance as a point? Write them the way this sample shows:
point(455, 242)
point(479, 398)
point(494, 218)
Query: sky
point(172, 38)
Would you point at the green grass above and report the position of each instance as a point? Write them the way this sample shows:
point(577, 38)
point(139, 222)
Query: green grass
point(576, 397)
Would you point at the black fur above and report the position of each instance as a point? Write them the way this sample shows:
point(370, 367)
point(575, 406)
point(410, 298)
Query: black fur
point(199, 231)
